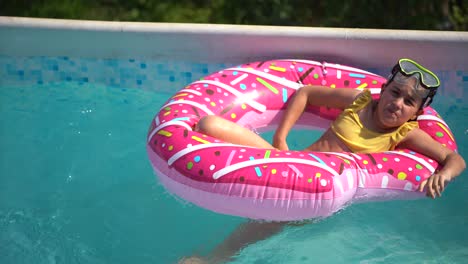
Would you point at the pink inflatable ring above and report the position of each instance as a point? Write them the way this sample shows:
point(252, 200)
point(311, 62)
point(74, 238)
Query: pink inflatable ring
point(267, 183)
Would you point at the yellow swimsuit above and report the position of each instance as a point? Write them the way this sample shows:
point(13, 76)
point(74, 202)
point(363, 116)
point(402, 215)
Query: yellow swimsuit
point(349, 129)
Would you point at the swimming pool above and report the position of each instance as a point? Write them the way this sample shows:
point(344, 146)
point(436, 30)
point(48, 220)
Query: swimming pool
point(76, 185)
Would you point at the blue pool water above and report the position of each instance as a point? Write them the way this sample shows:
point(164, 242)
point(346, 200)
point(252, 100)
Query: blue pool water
point(76, 185)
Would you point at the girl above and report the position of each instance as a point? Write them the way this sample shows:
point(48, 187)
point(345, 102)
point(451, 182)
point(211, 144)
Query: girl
point(364, 126)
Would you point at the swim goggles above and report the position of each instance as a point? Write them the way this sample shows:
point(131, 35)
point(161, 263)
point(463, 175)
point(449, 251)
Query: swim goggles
point(427, 79)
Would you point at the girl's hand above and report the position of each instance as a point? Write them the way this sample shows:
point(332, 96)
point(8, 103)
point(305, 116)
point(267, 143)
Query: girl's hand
point(435, 185)
point(280, 144)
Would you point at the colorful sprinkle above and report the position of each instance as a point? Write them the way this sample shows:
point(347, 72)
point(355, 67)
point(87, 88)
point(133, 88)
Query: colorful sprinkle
point(257, 169)
point(418, 178)
point(445, 129)
point(439, 134)
point(316, 76)
point(164, 133)
point(178, 95)
point(318, 174)
point(401, 175)
point(243, 86)
point(170, 148)
point(285, 95)
point(309, 180)
point(419, 167)
point(362, 86)
point(318, 159)
point(233, 115)
point(243, 106)
point(273, 171)
point(189, 165)
point(212, 167)
point(267, 154)
point(197, 159)
point(267, 85)
point(357, 75)
point(200, 140)
point(280, 69)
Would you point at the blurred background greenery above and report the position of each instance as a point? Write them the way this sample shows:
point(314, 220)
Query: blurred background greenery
point(388, 14)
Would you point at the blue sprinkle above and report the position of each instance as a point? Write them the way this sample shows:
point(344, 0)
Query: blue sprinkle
point(357, 75)
point(243, 86)
point(234, 73)
point(205, 85)
point(197, 158)
point(418, 178)
point(358, 81)
point(318, 159)
point(258, 171)
point(412, 153)
point(300, 69)
point(181, 119)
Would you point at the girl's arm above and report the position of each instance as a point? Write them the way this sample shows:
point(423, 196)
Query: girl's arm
point(452, 163)
point(310, 95)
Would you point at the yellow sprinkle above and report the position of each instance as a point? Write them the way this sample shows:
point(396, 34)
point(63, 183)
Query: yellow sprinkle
point(213, 104)
point(278, 68)
point(318, 174)
point(170, 148)
point(273, 171)
point(401, 175)
point(182, 94)
point(200, 140)
point(243, 106)
point(167, 113)
point(333, 86)
point(365, 161)
point(233, 115)
point(165, 133)
point(362, 86)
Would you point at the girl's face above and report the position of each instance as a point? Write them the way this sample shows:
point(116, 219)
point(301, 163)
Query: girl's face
point(399, 102)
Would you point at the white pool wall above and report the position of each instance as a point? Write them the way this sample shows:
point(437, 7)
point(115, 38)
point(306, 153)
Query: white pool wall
point(210, 43)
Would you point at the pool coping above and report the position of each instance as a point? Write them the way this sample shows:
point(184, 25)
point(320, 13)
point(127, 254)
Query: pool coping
point(229, 43)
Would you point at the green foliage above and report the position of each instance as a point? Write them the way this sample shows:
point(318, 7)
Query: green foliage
point(410, 14)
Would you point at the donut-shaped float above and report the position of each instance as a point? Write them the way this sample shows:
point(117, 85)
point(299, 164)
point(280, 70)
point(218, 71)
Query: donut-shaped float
point(267, 183)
